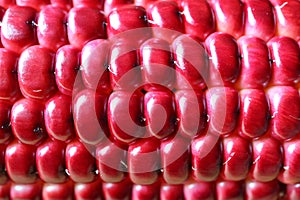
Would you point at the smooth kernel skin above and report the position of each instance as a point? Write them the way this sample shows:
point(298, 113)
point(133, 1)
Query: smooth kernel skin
point(144, 3)
point(124, 68)
point(141, 172)
point(160, 114)
point(50, 161)
point(7, 3)
point(169, 191)
point(52, 191)
point(36, 4)
point(226, 20)
point(260, 20)
point(120, 190)
point(89, 3)
point(255, 63)
point(175, 159)
point(191, 190)
point(285, 54)
point(88, 190)
point(9, 87)
point(38, 62)
point(166, 19)
point(128, 22)
point(125, 114)
point(230, 190)
point(191, 67)
point(254, 113)
point(85, 24)
point(157, 65)
point(27, 121)
point(292, 191)
point(198, 18)
point(222, 109)
point(26, 191)
point(94, 63)
point(77, 152)
point(145, 191)
point(5, 190)
point(190, 105)
point(58, 117)
point(66, 69)
point(206, 157)
point(52, 29)
point(262, 190)
point(287, 16)
point(223, 51)
point(110, 6)
point(165, 14)
point(89, 114)
point(267, 158)
point(111, 161)
point(289, 173)
point(16, 153)
point(285, 111)
point(199, 190)
point(236, 158)
point(64, 4)
point(17, 32)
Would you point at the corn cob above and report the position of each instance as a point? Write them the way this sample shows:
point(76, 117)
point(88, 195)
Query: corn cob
point(149, 99)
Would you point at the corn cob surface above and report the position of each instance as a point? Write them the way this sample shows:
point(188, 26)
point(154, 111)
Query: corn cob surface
point(150, 99)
